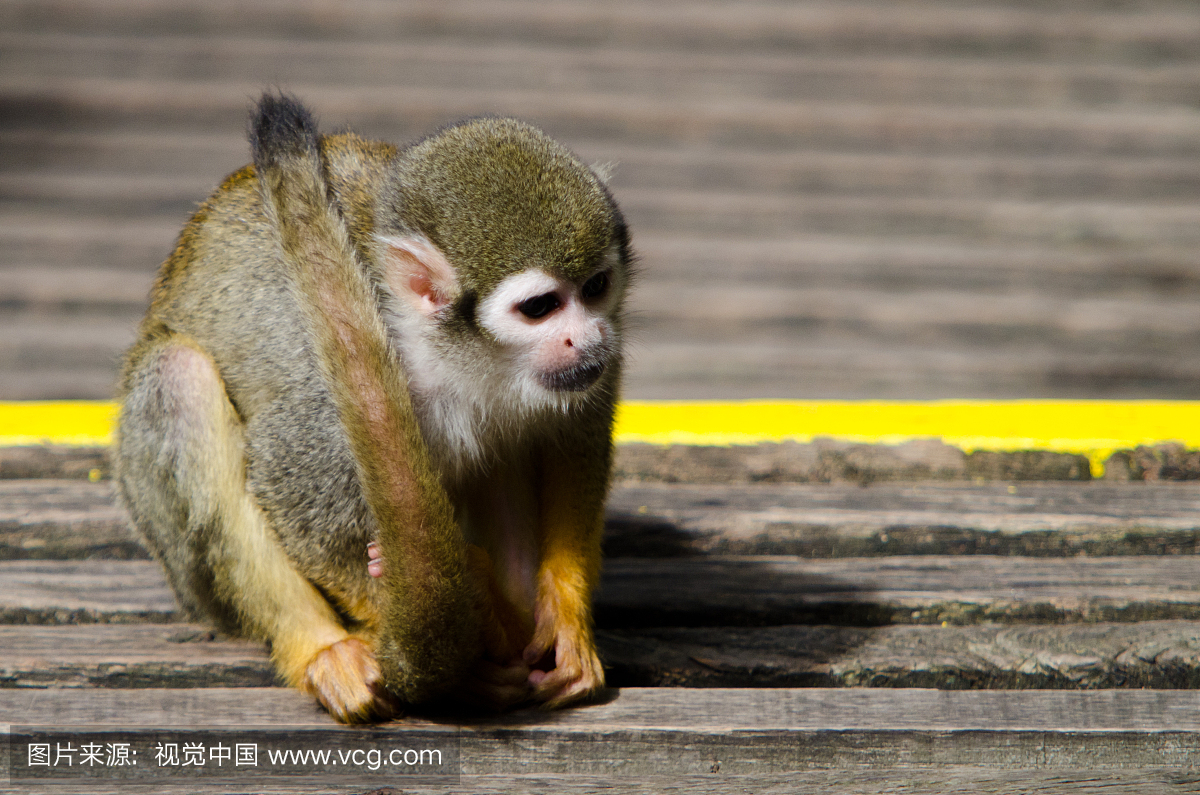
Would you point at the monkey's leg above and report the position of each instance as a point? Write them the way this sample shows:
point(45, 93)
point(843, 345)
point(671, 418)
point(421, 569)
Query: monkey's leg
point(572, 523)
point(181, 466)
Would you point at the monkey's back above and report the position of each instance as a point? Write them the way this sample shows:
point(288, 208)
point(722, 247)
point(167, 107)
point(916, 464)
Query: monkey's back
point(225, 287)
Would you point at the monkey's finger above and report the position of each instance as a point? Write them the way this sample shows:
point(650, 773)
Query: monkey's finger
point(576, 675)
point(511, 675)
point(540, 646)
point(374, 560)
point(564, 686)
point(547, 683)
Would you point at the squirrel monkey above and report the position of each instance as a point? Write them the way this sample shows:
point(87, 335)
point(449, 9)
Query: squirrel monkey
point(416, 350)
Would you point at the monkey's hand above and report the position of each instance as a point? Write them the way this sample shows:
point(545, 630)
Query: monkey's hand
point(345, 678)
point(500, 680)
point(576, 674)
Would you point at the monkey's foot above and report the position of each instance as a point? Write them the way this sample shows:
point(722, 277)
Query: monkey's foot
point(576, 676)
point(498, 687)
point(346, 679)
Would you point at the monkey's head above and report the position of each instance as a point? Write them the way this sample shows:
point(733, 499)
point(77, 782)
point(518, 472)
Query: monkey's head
point(510, 260)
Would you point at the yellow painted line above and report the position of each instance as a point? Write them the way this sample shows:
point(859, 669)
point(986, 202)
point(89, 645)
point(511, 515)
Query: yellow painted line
point(66, 422)
point(1094, 428)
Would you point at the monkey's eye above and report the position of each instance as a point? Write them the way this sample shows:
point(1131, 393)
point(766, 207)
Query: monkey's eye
point(595, 286)
point(539, 306)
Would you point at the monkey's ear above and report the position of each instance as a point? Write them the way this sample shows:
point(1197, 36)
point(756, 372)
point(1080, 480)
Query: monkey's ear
point(419, 273)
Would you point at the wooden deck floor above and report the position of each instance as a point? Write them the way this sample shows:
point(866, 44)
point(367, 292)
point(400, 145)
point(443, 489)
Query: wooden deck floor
point(865, 199)
point(926, 636)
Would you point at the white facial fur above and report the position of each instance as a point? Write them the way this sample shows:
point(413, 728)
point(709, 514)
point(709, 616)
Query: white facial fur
point(467, 406)
point(556, 342)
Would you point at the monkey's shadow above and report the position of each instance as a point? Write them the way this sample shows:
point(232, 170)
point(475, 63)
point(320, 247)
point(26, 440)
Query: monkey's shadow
point(667, 615)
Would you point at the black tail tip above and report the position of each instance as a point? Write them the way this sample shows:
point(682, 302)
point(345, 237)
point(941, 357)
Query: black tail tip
point(279, 124)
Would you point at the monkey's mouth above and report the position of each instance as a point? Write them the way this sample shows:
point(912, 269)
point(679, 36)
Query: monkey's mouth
point(574, 379)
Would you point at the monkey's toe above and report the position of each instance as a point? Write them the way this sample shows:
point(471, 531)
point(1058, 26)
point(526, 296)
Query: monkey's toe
point(498, 687)
point(346, 679)
point(574, 678)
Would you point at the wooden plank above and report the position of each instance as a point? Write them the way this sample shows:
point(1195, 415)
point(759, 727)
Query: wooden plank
point(727, 591)
point(84, 241)
point(871, 27)
point(942, 781)
point(48, 461)
point(51, 356)
point(923, 518)
point(153, 707)
point(945, 780)
point(722, 209)
point(915, 781)
point(555, 65)
point(69, 158)
point(1157, 654)
point(926, 309)
point(44, 592)
point(68, 288)
point(704, 363)
point(102, 102)
point(826, 260)
point(76, 519)
point(660, 731)
point(909, 589)
point(745, 362)
point(171, 655)
point(1045, 223)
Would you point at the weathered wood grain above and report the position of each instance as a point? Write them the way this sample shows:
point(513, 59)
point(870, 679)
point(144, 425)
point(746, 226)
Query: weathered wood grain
point(139, 656)
point(720, 210)
point(827, 460)
point(908, 589)
point(1158, 654)
point(840, 520)
point(944, 780)
point(557, 66)
point(1009, 29)
point(76, 164)
point(740, 732)
point(48, 462)
point(726, 591)
point(146, 101)
point(54, 592)
point(75, 519)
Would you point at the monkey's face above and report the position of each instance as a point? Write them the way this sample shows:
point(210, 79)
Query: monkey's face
point(560, 333)
point(544, 338)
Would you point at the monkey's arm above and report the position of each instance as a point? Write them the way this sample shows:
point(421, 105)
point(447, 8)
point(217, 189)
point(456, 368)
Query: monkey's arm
point(429, 634)
point(573, 490)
